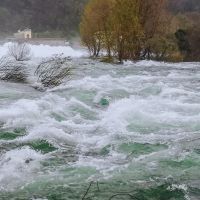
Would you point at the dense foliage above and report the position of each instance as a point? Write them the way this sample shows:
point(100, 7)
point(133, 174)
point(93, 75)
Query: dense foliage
point(142, 29)
point(127, 28)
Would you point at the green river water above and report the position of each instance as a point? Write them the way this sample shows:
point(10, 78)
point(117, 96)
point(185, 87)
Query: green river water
point(115, 132)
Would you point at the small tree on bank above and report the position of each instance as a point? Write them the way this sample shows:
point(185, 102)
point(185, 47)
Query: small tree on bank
point(127, 31)
point(95, 26)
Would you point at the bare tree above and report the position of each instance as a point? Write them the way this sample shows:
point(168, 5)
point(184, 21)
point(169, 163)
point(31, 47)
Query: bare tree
point(52, 71)
point(19, 51)
point(10, 70)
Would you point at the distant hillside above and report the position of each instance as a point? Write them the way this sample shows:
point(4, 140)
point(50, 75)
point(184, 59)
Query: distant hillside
point(184, 5)
point(55, 16)
point(58, 17)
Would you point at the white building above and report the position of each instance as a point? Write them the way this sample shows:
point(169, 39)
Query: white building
point(25, 34)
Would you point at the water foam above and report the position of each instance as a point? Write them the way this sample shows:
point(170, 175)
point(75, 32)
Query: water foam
point(155, 107)
point(43, 51)
point(16, 166)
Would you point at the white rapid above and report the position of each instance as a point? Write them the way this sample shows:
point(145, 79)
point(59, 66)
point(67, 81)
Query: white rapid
point(132, 127)
point(43, 51)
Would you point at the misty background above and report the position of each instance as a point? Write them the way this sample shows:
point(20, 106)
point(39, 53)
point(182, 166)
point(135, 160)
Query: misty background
point(59, 18)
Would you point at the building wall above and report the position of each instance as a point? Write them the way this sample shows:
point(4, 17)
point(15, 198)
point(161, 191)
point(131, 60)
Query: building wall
point(26, 34)
point(19, 35)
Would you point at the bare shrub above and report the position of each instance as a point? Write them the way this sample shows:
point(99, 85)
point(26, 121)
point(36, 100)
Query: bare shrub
point(19, 51)
point(52, 71)
point(10, 70)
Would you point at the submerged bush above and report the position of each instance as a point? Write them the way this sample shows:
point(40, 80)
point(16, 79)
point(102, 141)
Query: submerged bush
point(19, 51)
point(10, 70)
point(52, 71)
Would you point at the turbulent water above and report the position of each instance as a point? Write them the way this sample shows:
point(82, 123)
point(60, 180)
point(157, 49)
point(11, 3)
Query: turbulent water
point(121, 132)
